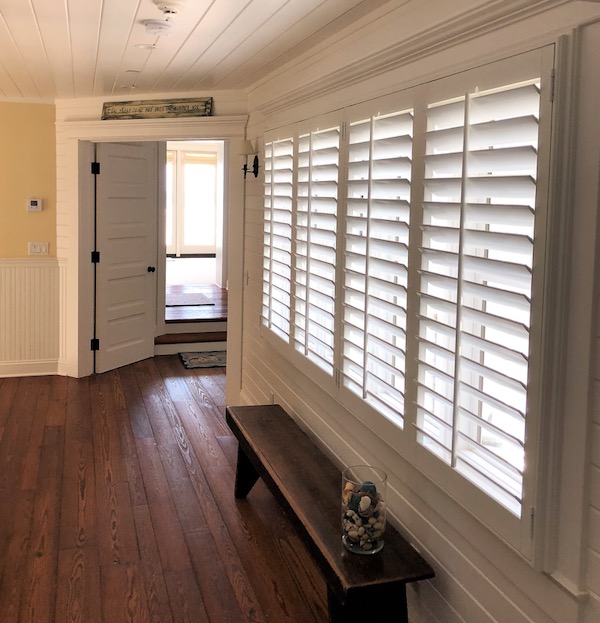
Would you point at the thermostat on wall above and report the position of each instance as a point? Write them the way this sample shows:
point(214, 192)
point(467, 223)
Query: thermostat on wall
point(34, 205)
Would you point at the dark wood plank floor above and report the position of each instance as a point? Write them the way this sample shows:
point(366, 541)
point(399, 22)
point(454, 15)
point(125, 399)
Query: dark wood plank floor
point(116, 505)
point(217, 312)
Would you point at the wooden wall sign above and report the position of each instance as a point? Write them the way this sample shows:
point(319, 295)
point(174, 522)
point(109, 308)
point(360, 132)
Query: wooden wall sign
point(155, 109)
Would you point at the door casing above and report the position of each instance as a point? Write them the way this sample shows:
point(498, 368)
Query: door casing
point(75, 141)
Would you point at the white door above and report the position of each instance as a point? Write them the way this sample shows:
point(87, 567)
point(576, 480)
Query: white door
point(126, 239)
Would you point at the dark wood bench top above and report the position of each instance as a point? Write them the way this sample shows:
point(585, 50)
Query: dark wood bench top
point(308, 485)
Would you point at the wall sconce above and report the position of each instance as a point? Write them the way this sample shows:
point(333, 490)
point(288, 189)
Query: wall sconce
point(248, 150)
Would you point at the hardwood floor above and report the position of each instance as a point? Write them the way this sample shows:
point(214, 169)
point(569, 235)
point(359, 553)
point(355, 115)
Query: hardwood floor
point(116, 505)
point(216, 312)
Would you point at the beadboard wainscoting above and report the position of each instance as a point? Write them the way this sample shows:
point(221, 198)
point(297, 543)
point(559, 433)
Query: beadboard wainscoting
point(29, 311)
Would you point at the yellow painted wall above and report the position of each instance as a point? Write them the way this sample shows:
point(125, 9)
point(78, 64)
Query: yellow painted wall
point(27, 170)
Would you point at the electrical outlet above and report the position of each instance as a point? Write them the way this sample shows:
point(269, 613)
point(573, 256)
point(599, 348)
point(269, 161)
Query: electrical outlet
point(37, 248)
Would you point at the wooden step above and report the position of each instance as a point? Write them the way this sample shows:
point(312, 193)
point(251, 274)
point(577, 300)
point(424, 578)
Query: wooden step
point(185, 338)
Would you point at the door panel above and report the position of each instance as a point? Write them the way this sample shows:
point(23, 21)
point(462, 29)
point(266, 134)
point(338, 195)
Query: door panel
point(126, 230)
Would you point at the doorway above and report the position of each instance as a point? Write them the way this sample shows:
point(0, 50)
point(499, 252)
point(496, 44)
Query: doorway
point(194, 231)
point(76, 140)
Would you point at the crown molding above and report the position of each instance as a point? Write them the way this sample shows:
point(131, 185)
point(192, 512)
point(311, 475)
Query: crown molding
point(461, 28)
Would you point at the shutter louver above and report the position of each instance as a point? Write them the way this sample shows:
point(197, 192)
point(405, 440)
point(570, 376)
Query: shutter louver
point(376, 260)
point(475, 285)
point(315, 246)
point(277, 249)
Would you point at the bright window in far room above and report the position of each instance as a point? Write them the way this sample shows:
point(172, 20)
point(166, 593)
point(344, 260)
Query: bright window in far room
point(192, 201)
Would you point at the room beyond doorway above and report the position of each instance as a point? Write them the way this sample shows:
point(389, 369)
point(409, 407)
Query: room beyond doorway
point(191, 270)
point(191, 292)
point(194, 232)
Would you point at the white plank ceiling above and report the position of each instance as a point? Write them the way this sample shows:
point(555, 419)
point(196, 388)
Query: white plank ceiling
point(57, 49)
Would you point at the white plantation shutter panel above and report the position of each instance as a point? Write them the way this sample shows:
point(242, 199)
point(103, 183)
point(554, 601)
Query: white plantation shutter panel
point(376, 260)
point(277, 250)
point(476, 285)
point(315, 246)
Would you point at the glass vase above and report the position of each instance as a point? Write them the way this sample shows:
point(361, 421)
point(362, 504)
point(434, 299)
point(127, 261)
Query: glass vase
point(363, 508)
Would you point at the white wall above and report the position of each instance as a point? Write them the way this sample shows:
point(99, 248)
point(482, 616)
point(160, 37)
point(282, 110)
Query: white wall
point(478, 577)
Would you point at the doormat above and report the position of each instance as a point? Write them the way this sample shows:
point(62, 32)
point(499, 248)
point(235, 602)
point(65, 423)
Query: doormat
point(187, 299)
point(210, 359)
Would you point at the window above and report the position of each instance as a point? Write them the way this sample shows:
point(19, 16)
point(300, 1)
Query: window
point(376, 261)
point(315, 246)
point(429, 322)
point(300, 243)
point(277, 254)
point(192, 190)
point(475, 284)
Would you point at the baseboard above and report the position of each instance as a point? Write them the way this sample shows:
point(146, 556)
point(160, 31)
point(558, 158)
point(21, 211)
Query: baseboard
point(29, 368)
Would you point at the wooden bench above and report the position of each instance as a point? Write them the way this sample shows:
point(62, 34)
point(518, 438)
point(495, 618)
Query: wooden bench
point(360, 588)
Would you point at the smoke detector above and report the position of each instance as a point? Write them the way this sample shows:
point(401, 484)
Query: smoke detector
point(158, 27)
point(170, 7)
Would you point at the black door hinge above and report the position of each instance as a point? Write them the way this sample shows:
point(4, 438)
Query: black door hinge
point(95, 257)
point(95, 168)
point(94, 344)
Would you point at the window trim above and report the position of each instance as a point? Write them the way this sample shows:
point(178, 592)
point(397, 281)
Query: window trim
point(176, 156)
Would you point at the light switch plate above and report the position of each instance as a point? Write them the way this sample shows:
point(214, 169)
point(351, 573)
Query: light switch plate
point(37, 248)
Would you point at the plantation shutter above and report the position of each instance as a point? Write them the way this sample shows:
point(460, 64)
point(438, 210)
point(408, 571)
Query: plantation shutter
point(376, 261)
point(476, 285)
point(315, 246)
point(277, 248)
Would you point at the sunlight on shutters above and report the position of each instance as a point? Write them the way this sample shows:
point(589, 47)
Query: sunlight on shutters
point(376, 260)
point(315, 252)
point(475, 285)
point(277, 250)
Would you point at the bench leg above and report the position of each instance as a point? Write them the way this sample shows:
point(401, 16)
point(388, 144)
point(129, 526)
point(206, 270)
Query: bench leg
point(360, 607)
point(245, 475)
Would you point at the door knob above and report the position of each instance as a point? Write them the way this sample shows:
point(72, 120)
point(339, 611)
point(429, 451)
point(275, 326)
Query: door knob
point(151, 269)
